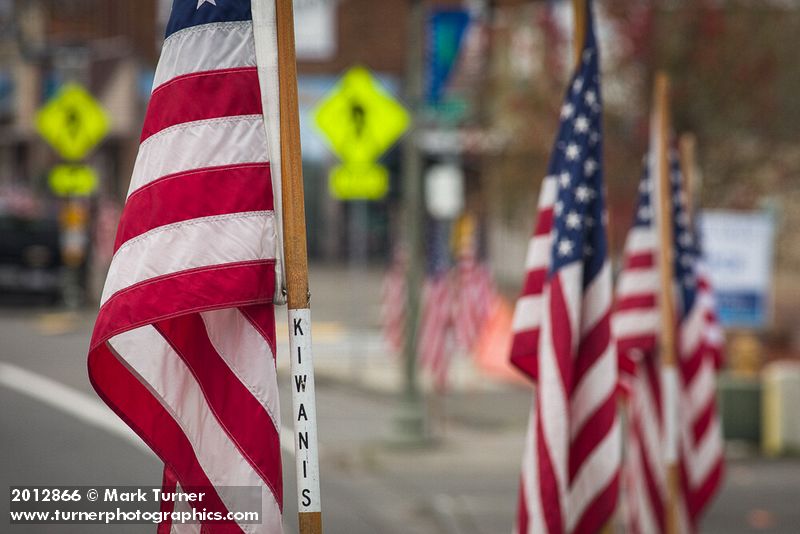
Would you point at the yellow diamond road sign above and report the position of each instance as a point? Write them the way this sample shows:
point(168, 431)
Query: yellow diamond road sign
point(72, 122)
point(359, 119)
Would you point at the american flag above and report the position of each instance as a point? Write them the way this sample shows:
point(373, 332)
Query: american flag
point(393, 302)
point(455, 306)
point(474, 293)
point(184, 344)
point(700, 344)
point(562, 328)
point(637, 327)
point(436, 336)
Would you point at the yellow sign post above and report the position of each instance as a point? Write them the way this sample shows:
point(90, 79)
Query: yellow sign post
point(360, 121)
point(72, 122)
point(368, 181)
point(72, 180)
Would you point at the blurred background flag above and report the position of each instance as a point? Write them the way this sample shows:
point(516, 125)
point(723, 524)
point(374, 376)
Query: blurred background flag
point(393, 302)
point(700, 344)
point(571, 462)
point(456, 303)
point(183, 346)
point(436, 338)
point(637, 323)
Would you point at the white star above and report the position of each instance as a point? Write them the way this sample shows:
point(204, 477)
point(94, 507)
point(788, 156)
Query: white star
point(583, 194)
point(587, 250)
point(581, 124)
point(644, 186)
point(589, 167)
point(201, 2)
point(573, 151)
point(577, 85)
point(564, 180)
point(558, 207)
point(645, 213)
point(685, 239)
point(589, 222)
point(686, 260)
point(567, 110)
point(594, 137)
point(565, 247)
point(573, 220)
point(683, 219)
point(590, 97)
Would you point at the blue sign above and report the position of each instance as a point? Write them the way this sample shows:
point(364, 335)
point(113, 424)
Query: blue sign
point(446, 29)
point(742, 309)
point(739, 249)
point(6, 94)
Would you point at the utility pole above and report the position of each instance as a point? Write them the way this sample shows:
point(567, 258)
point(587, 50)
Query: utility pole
point(410, 420)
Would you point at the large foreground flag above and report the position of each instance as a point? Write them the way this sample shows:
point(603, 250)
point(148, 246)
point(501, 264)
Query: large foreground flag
point(570, 470)
point(637, 326)
point(183, 348)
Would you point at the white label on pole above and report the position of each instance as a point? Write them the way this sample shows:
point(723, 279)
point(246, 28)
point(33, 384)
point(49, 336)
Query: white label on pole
point(304, 411)
point(669, 378)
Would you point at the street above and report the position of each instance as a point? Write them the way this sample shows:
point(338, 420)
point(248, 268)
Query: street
point(465, 482)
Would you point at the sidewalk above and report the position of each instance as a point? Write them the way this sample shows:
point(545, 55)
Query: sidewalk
point(348, 340)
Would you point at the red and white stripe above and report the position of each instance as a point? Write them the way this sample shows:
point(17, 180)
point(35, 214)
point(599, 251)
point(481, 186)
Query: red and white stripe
point(435, 341)
point(393, 304)
point(636, 328)
point(184, 344)
point(701, 448)
point(474, 293)
point(570, 471)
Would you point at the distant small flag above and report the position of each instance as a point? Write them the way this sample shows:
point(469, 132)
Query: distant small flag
point(562, 328)
point(475, 293)
point(455, 304)
point(637, 325)
point(393, 303)
point(183, 347)
point(436, 341)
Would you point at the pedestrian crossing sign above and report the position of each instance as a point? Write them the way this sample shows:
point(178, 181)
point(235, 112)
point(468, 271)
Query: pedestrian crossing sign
point(72, 122)
point(359, 119)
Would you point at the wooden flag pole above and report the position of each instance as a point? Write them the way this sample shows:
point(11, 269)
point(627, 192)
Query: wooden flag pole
point(579, 11)
point(298, 296)
point(688, 150)
point(668, 347)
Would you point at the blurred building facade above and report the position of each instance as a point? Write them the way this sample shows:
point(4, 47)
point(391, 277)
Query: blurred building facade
point(509, 88)
point(108, 47)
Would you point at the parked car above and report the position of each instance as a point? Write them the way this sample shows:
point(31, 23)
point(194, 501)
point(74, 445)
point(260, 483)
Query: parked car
point(30, 256)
